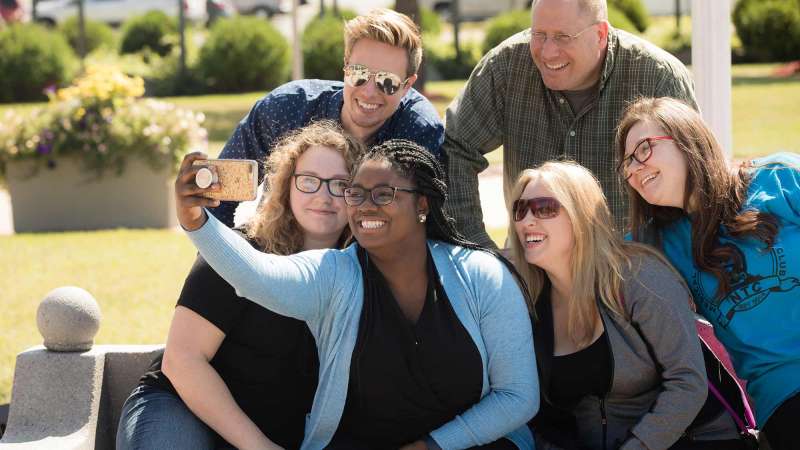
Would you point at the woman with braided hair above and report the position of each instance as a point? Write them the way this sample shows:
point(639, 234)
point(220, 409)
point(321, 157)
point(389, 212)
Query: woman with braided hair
point(424, 339)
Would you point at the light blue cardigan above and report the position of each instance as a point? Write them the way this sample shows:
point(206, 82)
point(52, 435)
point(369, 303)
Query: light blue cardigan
point(324, 288)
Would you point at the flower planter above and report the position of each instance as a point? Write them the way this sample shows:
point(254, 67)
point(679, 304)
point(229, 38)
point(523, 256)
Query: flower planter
point(67, 197)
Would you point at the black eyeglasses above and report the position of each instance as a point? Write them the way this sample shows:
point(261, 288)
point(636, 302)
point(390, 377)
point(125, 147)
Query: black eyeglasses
point(356, 75)
point(641, 153)
point(311, 184)
point(540, 207)
point(381, 195)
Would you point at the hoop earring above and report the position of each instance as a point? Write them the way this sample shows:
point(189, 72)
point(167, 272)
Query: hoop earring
point(422, 217)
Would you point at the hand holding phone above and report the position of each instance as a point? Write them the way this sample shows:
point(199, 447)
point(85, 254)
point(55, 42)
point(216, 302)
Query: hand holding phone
point(237, 178)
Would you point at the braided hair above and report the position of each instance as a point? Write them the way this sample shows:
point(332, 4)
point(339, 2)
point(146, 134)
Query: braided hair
point(414, 162)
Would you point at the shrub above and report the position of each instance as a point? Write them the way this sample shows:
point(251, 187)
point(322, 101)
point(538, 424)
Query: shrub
point(244, 54)
point(504, 26)
point(634, 10)
point(769, 29)
point(430, 22)
point(165, 78)
point(619, 20)
point(148, 30)
point(441, 59)
point(97, 34)
point(102, 121)
point(323, 47)
point(31, 59)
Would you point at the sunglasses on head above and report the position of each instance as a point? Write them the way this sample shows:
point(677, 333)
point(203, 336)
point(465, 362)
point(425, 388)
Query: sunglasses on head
point(540, 207)
point(356, 75)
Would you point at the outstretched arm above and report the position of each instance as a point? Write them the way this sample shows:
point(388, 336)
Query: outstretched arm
point(288, 285)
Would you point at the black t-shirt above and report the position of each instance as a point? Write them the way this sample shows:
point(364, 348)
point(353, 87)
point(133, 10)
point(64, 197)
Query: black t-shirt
point(585, 372)
point(269, 362)
point(406, 379)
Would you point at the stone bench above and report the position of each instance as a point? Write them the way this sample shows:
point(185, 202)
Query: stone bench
point(68, 393)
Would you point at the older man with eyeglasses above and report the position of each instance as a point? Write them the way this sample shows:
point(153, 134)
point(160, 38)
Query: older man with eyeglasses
point(374, 103)
point(554, 91)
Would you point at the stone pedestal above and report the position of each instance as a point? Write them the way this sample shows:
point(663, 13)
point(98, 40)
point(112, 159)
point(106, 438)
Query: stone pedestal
point(68, 394)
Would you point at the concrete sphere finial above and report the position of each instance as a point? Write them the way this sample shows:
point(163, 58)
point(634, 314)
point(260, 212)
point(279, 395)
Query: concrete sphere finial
point(68, 318)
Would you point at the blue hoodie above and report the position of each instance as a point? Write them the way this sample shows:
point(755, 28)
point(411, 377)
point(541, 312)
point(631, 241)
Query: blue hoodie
point(758, 320)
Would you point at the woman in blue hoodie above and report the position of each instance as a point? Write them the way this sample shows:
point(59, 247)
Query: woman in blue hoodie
point(733, 233)
point(424, 339)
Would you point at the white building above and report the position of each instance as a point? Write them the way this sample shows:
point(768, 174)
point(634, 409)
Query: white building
point(666, 7)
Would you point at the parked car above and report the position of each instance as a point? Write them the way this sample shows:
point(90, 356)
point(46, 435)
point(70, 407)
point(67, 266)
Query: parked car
point(261, 8)
point(474, 9)
point(114, 12)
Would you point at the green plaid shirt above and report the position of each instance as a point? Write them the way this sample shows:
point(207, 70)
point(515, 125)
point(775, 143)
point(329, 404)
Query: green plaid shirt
point(506, 103)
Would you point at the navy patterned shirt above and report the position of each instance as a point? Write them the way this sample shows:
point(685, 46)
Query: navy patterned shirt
point(295, 104)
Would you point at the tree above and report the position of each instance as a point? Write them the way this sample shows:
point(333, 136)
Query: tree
point(411, 9)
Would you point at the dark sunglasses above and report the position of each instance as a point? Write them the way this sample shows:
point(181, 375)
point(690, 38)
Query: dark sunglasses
point(356, 75)
point(381, 195)
point(310, 184)
point(641, 153)
point(541, 207)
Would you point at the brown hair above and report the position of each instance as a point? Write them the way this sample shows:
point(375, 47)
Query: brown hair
point(389, 27)
point(717, 192)
point(274, 227)
point(599, 258)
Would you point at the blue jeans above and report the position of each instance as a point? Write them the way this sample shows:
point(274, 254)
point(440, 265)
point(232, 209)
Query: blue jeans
point(155, 419)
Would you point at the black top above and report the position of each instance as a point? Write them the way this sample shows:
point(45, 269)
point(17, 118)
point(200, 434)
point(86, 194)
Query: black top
point(269, 362)
point(555, 420)
point(585, 372)
point(406, 379)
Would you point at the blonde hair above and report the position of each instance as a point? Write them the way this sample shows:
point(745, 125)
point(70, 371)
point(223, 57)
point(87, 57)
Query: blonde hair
point(274, 227)
point(599, 257)
point(388, 27)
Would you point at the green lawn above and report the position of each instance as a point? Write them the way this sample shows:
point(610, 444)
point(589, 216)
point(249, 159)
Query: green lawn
point(136, 275)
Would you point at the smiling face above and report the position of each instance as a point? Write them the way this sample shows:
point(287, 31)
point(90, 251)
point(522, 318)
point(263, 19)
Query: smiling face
point(574, 66)
point(546, 243)
point(365, 107)
point(392, 227)
point(661, 180)
point(321, 216)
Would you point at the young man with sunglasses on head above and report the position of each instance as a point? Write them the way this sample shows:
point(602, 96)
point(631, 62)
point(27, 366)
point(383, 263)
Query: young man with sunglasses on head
point(374, 103)
point(554, 91)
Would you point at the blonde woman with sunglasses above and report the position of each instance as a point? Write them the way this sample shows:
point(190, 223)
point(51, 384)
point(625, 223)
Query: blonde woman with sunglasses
point(619, 361)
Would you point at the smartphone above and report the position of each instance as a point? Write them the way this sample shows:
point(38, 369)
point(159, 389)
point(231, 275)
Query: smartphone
point(237, 178)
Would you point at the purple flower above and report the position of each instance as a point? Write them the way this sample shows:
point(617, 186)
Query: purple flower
point(44, 148)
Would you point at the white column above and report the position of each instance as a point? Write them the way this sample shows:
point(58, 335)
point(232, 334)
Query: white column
point(711, 65)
